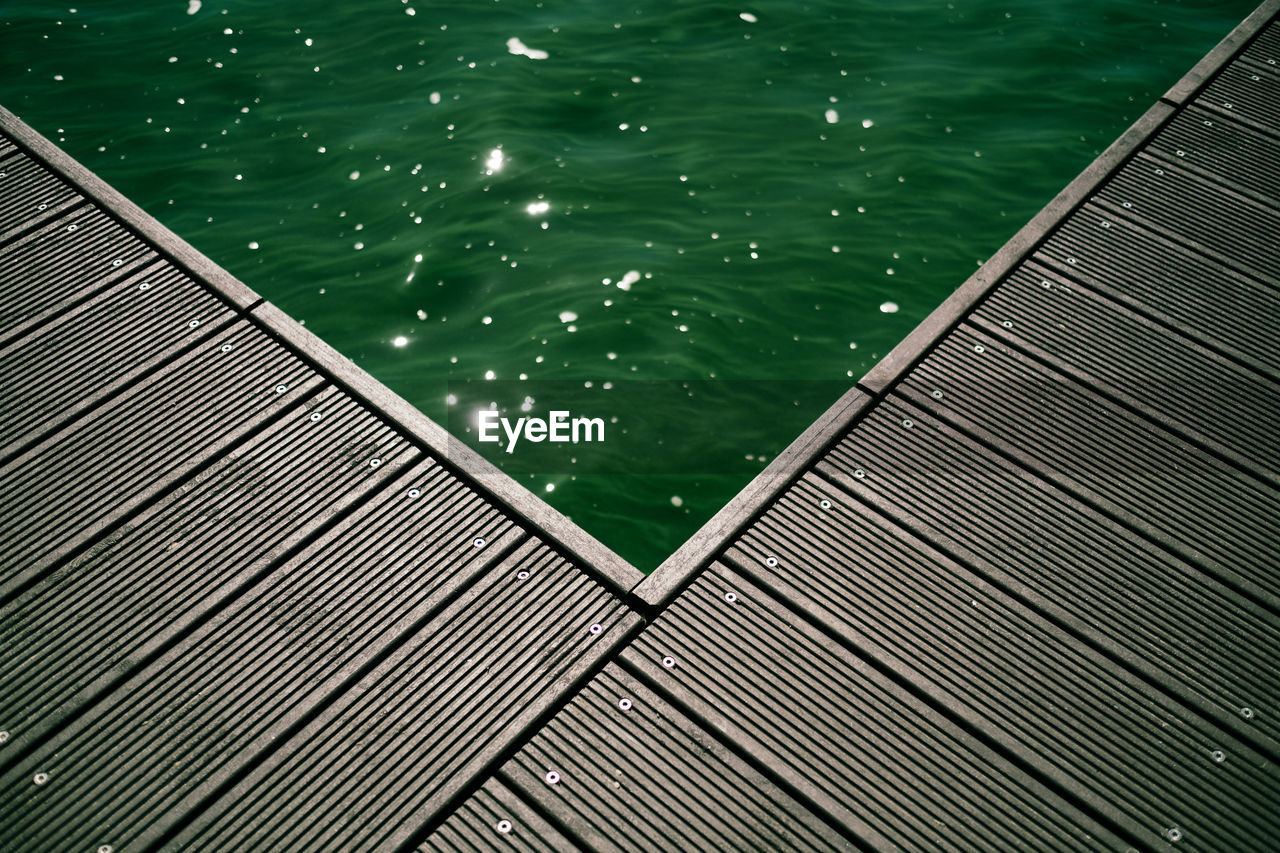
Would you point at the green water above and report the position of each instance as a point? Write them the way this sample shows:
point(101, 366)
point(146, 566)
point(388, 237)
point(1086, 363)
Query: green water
point(339, 159)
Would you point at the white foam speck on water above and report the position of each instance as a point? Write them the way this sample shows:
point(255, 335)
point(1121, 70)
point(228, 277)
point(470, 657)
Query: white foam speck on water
point(832, 116)
point(750, 19)
point(629, 279)
point(355, 176)
point(889, 308)
point(676, 500)
point(519, 48)
point(400, 341)
point(567, 316)
point(866, 122)
point(434, 97)
point(193, 7)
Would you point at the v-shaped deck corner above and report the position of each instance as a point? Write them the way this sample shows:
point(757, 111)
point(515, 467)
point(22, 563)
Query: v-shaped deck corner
point(1017, 590)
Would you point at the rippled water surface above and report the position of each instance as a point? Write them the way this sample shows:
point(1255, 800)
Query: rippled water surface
point(556, 193)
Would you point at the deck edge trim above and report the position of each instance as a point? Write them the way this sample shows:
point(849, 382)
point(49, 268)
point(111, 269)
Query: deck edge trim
point(495, 484)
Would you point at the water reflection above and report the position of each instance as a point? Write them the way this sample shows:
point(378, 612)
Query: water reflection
point(519, 48)
point(730, 128)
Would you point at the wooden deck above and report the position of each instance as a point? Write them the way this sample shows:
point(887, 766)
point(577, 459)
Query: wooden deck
point(1018, 590)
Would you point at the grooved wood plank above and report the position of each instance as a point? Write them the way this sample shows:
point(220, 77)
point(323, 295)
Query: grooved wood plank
point(1169, 282)
point(1223, 151)
point(1068, 714)
point(621, 769)
point(1144, 606)
point(1167, 198)
point(63, 492)
point(63, 262)
point(1246, 91)
point(1168, 378)
point(384, 759)
point(85, 355)
point(1207, 511)
point(29, 193)
point(175, 565)
point(496, 819)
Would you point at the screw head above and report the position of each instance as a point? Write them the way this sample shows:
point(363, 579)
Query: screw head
point(669, 662)
point(40, 778)
point(624, 704)
point(375, 462)
point(731, 597)
point(280, 389)
point(1218, 756)
point(522, 575)
point(1173, 834)
point(194, 323)
point(503, 826)
point(478, 542)
point(552, 777)
point(596, 628)
point(859, 473)
point(414, 493)
point(1247, 713)
point(771, 561)
point(315, 416)
point(4, 736)
point(825, 504)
